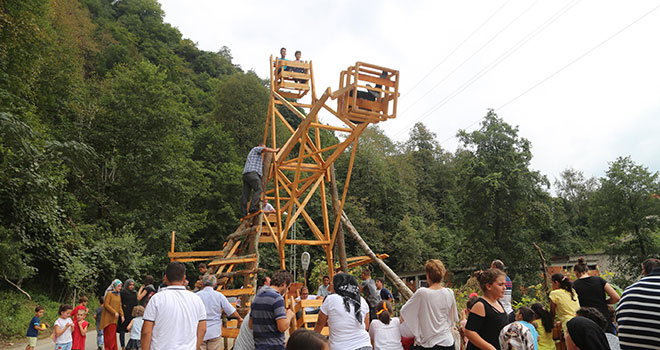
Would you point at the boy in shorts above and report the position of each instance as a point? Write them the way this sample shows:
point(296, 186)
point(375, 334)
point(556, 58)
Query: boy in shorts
point(34, 328)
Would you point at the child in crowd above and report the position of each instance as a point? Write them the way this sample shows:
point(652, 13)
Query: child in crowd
point(384, 330)
point(525, 316)
point(34, 327)
point(563, 299)
point(597, 316)
point(135, 327)
point(303, 339)
point(82, 304)
point(543, 323)
point(465, 313)
point(79, 330)
point(515, 336)
point(62, 328)
point(97, 319)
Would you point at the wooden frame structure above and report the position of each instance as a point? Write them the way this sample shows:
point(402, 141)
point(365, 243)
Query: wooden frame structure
point(300, 171)
point(301, 167)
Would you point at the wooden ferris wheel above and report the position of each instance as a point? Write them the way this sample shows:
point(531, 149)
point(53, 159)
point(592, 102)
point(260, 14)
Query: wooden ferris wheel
point(301, 172)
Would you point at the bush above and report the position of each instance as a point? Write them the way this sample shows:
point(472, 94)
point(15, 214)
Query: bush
point(17, 312)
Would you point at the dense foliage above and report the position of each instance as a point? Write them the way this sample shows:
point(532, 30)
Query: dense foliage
point(114, 131)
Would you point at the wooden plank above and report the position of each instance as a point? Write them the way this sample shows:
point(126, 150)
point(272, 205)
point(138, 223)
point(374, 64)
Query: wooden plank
point(197, 254)
point(306, 167)
point(230, 332)
point(311, 303)
point(293, 86)
point(233, 260)
point(306, 242)
point(376, 80)
point(372, 105)
point(295, 75)
point(220, 262)
point(237, 292)
point(331, 127)
point(189, 259)
point(296, 64)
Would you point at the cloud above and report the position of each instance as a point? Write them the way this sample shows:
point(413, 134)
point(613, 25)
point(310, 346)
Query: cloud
point(604, 106)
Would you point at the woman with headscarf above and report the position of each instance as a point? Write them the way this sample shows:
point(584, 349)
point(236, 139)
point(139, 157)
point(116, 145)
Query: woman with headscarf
point(585, 334)
point(347, 315)
point(128, 302)
point(112, 311)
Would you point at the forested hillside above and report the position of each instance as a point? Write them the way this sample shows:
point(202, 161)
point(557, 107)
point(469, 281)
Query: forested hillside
point(115, 130)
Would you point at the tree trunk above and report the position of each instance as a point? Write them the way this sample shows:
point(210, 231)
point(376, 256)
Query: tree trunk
point(545, 269)
point(16, 286)
point(341, 246)
point(406, 293)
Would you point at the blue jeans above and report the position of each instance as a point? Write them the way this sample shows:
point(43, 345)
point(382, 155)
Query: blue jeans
point(99, 338)
point(65, 346)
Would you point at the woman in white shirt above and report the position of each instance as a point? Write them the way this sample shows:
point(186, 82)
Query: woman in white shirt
point(384, 330)
point(431, 312)
point(346, 314)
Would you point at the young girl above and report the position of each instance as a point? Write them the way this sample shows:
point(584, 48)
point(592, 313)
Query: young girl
point(487, 316)
point(384, 330)
point(543, 324)
point(563, 299)
point(62, 328)
point(79, 330)
point(135, 327)
point(474, 297)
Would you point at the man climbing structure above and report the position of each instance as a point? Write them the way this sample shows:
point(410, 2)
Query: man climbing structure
point(252, 173)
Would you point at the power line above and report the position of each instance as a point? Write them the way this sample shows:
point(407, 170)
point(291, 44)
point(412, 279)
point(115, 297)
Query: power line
point(495, 62)
point(594, 48)
point(471, 56)
point(458, 47)
point(579, 57)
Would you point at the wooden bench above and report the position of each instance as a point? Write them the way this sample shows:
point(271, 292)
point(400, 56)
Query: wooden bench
point(292, 78)
point(368, 103)
point(307, 321)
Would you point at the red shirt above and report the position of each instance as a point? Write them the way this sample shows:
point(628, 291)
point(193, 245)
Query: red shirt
point(78, 337)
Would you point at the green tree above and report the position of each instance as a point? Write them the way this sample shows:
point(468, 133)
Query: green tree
point(502, 200)
point(626, 210)
point(242, 102)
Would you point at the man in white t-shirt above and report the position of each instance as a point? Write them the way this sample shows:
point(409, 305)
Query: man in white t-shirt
point(175, 318)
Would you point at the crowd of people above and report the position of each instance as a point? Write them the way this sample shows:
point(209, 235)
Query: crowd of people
point(362, 316)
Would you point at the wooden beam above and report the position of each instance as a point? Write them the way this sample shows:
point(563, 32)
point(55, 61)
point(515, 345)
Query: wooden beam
point(305, 242)
point(237, 292)
point(234, 260)
point(197, 254)
point(406, 293)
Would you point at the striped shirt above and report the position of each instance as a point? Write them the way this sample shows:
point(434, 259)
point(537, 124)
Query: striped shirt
point(267, 308)
point(638, 314)
point(253, 163)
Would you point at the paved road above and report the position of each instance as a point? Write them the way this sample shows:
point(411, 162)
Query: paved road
point(48, 344)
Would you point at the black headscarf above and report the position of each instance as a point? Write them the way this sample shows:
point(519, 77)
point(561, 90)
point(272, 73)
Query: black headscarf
point(346, 286)
point(586, 334)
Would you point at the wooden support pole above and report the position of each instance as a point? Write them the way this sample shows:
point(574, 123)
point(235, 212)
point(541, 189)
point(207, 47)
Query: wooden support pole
point(172, 247)
point(341, 246)
point(406, 293)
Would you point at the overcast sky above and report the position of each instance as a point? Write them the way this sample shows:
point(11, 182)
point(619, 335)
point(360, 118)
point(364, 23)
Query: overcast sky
point(593, 67)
